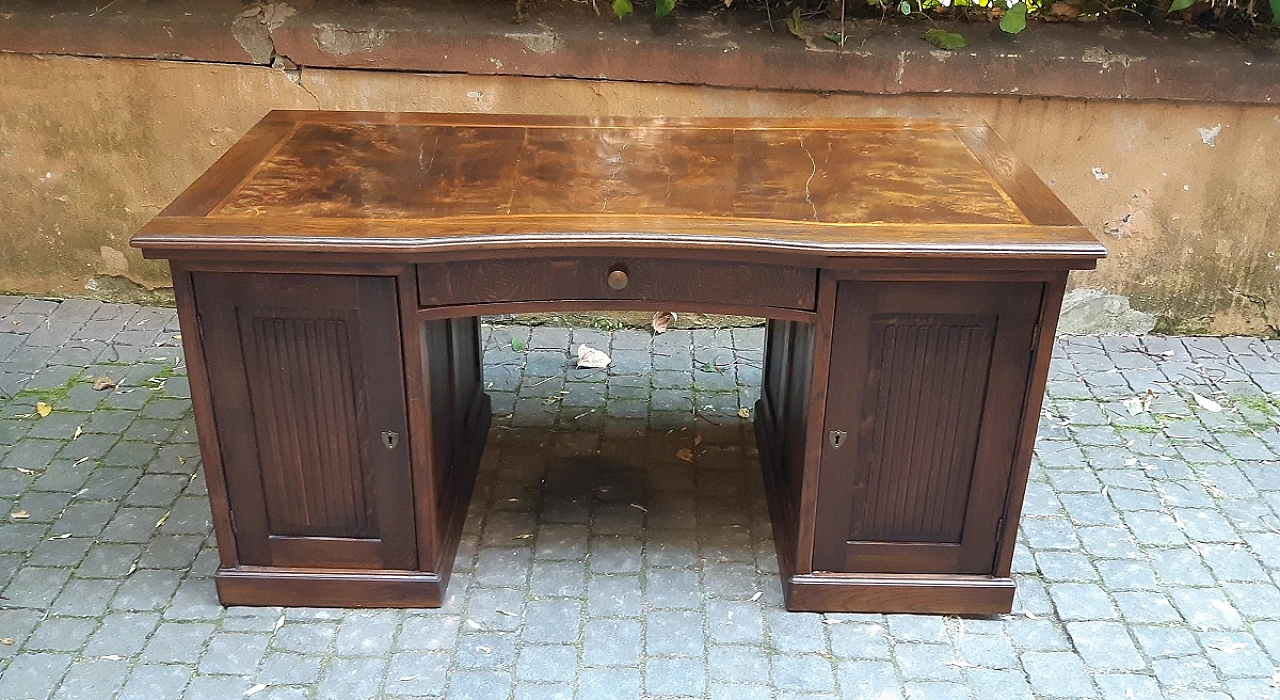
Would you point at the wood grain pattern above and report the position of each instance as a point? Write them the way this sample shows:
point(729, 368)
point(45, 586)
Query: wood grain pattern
point(304, 388)
point(824, 175)
point(915, 466)
point(417, 183)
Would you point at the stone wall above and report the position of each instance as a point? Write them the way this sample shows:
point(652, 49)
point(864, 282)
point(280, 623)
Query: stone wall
point(1182, 192)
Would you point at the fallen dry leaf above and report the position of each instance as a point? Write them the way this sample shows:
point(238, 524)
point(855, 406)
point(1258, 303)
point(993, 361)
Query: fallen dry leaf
point(7, 641)
point(103, 383)
point(1206, 403)
point(20, 515)
point(662, 321)
point(591, 358)
point(685, 454)
point(1133, 405)
point(78, 433)
point(43, 409)
point(744, 413)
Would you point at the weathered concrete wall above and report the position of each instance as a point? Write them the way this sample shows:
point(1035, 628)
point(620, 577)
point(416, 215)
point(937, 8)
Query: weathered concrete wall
point(1183, 194)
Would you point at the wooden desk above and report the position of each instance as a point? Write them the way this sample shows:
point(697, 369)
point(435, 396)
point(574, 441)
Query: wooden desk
point(330, 269)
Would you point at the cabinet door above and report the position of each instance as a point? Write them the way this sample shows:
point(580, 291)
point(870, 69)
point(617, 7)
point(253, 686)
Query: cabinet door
point(927, 387)
point(308, 398)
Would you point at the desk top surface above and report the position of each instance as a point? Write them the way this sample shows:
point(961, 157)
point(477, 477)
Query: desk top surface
point(354, 181)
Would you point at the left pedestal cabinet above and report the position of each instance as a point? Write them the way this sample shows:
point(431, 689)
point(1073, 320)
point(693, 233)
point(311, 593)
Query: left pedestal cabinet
point(304, 379)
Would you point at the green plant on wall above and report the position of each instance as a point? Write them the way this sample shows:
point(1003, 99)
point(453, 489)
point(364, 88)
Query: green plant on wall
point(1236, 16)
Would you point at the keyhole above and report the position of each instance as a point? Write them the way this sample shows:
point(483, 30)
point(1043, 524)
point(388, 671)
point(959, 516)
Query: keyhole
point(390, 439)
point(837, 438)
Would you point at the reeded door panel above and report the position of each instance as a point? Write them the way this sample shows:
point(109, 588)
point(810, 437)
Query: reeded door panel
point(926, 393)
point(305, 374)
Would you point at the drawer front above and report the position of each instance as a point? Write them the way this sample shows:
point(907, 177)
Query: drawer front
point(623, 279)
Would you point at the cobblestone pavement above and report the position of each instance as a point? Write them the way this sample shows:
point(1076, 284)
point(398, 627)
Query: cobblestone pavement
point(598, 564)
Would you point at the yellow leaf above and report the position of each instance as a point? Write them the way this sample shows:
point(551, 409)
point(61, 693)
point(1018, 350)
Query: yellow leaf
point(43, 408)
point(20, 515)
point(744, 413)
point(7, 641)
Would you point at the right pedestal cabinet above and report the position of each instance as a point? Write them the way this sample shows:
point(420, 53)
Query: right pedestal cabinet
point(927, 412)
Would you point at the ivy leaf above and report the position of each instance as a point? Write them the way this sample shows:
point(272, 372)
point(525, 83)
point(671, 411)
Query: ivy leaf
point(1179, 5)
point(945, 40)
point(840, 38)
point(905, 7)
point(793, 25)
point(622, 8)
point(664, 8)
point(1015, 18)
point(1275, 11)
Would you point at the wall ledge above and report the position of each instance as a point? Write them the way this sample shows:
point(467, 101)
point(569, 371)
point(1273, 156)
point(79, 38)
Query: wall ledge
point(730, 50)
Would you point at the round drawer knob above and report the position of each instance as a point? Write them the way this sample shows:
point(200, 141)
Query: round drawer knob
point(618, 279)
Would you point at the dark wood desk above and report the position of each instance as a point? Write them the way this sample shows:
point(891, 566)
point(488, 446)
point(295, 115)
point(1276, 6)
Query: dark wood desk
point(330, 269)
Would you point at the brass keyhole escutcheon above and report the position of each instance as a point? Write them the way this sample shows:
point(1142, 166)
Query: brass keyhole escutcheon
point(618, 278)
point(837, 438)
point(390, 439)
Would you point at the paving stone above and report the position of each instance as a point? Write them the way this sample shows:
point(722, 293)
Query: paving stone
point(1126, 686)
point(674, 633)
point(155, 682)
point(1146, 606)
point(675, 677)
point(1105, 646)
point(346, 678)
point(734, 622)
point(33, 675)
point(178, 642)
point(91, 679)
point(1057, 674)
point(614, 596)
point(611, 642)
point(233, 653)
point(1185, 672)
point(85, 597)
point(1206, 608)
point(1082, 601)
point(859, 641)
point(146, 589)
point(121, 634)
point(807, 673)
point(61, 634)
point(609, 684)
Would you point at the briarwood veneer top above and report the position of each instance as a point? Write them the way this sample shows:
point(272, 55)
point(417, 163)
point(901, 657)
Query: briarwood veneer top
point(348, 182)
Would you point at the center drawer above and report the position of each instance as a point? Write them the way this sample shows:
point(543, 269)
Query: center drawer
point(676, 282)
